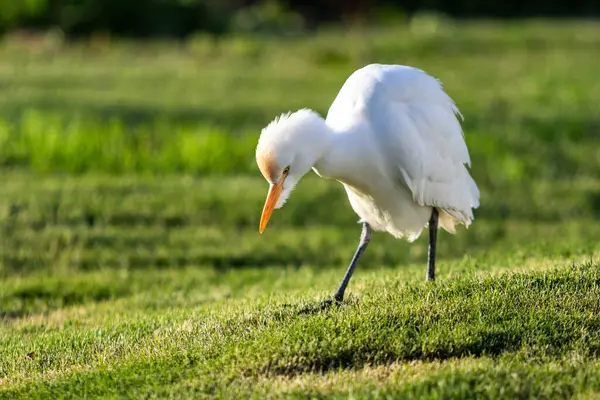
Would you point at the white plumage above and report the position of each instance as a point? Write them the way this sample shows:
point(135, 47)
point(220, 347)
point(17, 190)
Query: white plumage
point(392, 138)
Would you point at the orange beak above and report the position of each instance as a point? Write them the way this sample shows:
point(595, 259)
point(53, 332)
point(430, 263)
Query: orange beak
point(272, 197)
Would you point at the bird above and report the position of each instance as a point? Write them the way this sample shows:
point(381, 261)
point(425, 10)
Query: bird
point(393, 139)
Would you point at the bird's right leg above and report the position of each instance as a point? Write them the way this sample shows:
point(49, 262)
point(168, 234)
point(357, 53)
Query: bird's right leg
point(365, 237)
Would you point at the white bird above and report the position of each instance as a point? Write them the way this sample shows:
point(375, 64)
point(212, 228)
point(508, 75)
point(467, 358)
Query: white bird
point(392, 138)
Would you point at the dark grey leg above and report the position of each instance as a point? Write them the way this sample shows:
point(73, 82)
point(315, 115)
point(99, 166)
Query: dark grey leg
point(365, 237)
point(433, 227)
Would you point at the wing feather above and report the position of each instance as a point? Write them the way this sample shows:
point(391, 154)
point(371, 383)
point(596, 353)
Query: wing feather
point(416, 126)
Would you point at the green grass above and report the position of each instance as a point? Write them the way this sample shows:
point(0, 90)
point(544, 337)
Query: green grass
point(241, 332)
point(131, 263)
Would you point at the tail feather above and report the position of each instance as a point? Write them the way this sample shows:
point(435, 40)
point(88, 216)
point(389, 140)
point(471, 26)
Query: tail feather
point(447, 222)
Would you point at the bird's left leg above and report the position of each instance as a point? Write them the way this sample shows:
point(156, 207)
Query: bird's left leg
point(365, 237)
point(433, 227)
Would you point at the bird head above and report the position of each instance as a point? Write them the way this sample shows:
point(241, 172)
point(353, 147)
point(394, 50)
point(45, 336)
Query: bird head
point(287, 149)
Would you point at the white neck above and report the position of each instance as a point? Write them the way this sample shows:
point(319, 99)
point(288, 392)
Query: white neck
point(314, 140)
point(321, 138)
point(340, 153)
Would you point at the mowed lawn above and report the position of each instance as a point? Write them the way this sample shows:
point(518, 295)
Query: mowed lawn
point(131, 263)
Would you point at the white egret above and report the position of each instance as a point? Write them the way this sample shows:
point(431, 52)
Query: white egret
point(392, 138)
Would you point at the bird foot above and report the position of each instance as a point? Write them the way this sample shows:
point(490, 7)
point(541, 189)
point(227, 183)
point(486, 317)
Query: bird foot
point(328, 303)
point(321, 306)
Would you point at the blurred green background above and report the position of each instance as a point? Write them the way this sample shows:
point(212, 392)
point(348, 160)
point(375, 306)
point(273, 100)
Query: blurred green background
point(120, 151)
point(127, 137)
point(115, 135)
point(108, 147)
